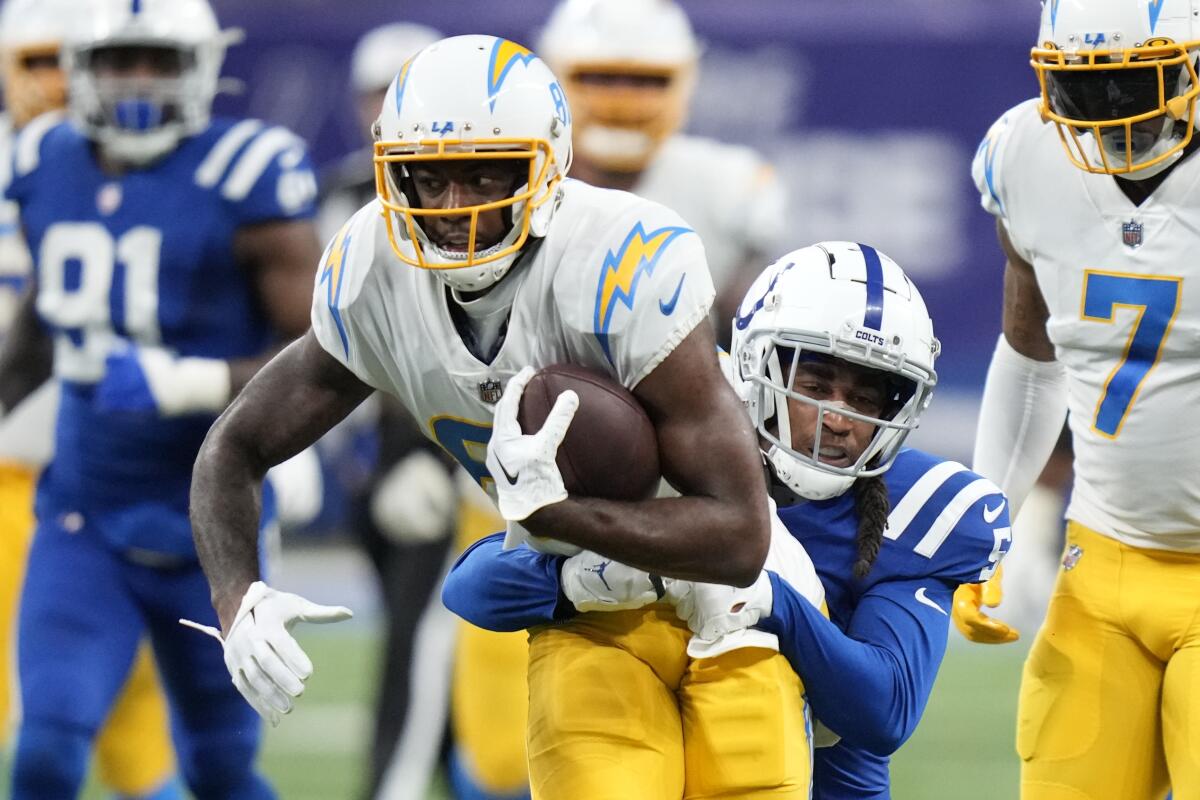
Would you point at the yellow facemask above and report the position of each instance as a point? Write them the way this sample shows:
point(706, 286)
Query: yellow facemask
point(1128, 100)
point(648, 113)
point(523, 202)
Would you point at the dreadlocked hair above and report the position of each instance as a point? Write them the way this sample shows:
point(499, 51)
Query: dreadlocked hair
point(871, 506)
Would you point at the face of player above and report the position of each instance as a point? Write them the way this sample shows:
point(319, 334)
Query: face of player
point(459, 184)
point(843, 439)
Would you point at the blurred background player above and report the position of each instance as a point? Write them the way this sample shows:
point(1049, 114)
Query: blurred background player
point(133, 750)
point(173, 255)
point(1101, 302)
point(629, 69)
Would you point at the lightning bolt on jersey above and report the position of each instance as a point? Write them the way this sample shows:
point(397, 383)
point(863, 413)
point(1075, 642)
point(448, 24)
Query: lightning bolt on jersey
point(145, 256)
point(726, 192)
point(615, 285)
point(1122, 285)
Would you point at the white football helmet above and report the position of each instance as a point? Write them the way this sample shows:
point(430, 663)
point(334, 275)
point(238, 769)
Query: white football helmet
point(472, 98)
point(31, 35)
point(850, 302)
point(138, 119)
point(1119, 80)
point(600, 48)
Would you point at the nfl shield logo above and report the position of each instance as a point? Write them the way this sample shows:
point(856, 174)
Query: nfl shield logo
point(1131, 234)
point(490, 390)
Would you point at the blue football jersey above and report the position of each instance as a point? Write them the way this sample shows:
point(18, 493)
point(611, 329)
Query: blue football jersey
point(946, 522)
point(145, 256)
point(947, 526)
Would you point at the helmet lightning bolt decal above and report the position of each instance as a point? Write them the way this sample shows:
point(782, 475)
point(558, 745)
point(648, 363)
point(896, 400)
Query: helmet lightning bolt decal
point(401, 82)
point(1053, 14)
point(1155, 10)
point(504, 55)
point(623, 270)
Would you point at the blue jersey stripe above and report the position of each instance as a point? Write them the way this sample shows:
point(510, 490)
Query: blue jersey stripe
point(873, 318)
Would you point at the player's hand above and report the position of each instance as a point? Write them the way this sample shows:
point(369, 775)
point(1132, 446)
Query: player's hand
point(595, 583)
point(416, 500)
point(152, 380)
point(713, 610)
point(968, 616)
point(268, 666)
point(523, 465)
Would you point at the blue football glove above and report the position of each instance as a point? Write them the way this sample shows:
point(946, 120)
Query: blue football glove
point(151, 380)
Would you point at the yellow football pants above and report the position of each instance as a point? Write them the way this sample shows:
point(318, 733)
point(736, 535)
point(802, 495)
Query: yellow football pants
point(618, 710)
point(489, 694)
point(1110, 696)
point(133, 749)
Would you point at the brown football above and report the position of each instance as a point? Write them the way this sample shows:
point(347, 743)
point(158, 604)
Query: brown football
point(610, 450)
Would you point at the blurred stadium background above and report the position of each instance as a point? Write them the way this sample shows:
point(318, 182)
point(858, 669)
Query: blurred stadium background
point(871, 112)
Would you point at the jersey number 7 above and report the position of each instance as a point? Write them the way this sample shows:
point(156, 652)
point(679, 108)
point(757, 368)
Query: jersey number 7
point(1156, 301)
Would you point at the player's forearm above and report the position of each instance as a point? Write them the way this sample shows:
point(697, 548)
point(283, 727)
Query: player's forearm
point(693, 538)
point(26, 356)
point(226, 501)
point(892, 673)
point(505, 590)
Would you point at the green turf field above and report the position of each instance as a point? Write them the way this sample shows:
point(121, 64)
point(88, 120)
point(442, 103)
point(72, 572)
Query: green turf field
point(963, 748)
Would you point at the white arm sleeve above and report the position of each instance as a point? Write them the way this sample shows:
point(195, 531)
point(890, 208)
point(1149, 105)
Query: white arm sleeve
point(1020, 418)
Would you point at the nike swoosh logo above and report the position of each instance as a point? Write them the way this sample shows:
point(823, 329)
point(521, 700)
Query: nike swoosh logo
point(510, 477)
point(921, 598)
point(668, 307)
point(990, 515)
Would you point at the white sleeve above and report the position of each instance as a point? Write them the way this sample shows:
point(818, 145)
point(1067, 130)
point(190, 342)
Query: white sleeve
point(1020, 419)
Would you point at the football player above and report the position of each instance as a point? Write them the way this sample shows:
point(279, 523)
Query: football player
point(133, 750)
point(629, 70)
point(476, 264)
point(171, 253)
point(834, 357)
point(1091, 187)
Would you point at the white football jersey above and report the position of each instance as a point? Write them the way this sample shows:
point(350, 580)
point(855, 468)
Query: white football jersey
point(1122, 284)
point(27, 434)
point(726, 192)
point(615, 285)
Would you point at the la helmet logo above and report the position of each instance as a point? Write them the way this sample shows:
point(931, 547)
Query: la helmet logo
point(490, 391)
point(1131, 234)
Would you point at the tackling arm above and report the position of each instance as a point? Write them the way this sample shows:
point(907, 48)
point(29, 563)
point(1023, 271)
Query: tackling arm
point(288, 405)
point(718, 531)
point(888, 657)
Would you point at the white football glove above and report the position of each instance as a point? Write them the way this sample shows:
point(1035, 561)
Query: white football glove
point(713, 610)
point(139, 379)
point(267, 664)
point(416, 500)
point(523, 465)
point(595, 583)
